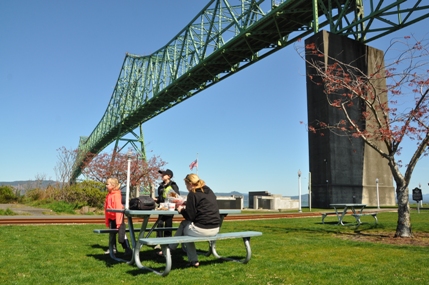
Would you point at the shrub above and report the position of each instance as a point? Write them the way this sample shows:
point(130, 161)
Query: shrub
point(86, 193)
point(7, 212)
point(62, 207)
point(7, 194)
point(34, 195)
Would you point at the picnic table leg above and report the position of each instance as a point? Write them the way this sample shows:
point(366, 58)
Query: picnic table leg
point(201, 252)
point(210, 250)
point(132, 233)
point(167, 254)
point(340, 218)
point(246, 241)
point(323, 217)
point(153, 227)
point(135, 245)
point(112, 245)
point(132, 237)
point(164, 247)
point(358, 221)
point(165, 251)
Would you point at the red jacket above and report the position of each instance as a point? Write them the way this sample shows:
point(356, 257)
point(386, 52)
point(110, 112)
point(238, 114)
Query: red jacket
point(113, 201)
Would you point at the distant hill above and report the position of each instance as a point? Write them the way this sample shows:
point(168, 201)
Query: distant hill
point(24, 183)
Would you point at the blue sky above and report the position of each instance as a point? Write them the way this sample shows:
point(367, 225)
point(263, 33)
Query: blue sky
point(59, 62)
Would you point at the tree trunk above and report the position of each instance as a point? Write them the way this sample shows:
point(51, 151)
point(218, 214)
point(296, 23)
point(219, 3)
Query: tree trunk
point(403, 228)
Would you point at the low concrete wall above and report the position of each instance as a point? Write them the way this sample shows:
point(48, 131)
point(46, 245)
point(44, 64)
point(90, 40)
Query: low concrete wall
point(274, 202)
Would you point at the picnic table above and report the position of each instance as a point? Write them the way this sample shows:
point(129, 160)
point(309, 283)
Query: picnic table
point(145, 239)
point(145, 231)
point(356, 211)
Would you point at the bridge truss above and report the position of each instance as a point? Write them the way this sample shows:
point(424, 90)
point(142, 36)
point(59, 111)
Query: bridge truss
point(224, 38)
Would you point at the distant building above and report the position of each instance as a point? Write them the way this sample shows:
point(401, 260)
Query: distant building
point(230, 202)
point(268, 201)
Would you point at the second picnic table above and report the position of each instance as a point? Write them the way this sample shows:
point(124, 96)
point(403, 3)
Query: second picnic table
point(357, 211)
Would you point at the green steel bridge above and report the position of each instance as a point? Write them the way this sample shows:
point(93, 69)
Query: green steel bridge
point(224, 38)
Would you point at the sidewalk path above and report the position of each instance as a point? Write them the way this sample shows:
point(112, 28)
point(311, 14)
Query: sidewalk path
point(25, 210)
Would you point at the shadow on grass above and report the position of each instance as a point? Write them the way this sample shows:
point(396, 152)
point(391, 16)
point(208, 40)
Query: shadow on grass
point(105, 257)
point(179, 262)
point(349, 228)
point(367, 232)
point(151, 259)
point(104, 248)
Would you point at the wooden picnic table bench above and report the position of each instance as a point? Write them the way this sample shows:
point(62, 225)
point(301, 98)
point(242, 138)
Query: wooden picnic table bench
point(165, 241)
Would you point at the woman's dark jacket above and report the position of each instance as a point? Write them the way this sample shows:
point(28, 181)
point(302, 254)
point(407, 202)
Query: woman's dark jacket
point(202, 209)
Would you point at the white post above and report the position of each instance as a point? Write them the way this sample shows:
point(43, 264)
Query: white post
point(378, 197)
point(299, 191)
point(309, 191)
point(421, 201)
point(127, 193)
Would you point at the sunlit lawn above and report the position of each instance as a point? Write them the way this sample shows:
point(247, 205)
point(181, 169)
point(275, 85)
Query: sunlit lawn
point(290, 251)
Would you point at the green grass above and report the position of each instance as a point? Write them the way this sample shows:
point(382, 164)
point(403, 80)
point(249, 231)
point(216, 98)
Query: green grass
point(290, 251)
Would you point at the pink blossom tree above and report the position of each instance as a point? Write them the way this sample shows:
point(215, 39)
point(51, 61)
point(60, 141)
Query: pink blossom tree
point(104, 165)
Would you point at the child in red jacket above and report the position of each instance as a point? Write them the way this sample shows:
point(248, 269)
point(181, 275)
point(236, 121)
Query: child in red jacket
point(115, 220)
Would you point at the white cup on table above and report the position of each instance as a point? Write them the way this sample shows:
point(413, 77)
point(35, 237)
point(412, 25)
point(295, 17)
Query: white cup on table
point(171, 206)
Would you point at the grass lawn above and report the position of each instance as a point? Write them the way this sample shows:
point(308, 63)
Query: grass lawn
point(290, 251)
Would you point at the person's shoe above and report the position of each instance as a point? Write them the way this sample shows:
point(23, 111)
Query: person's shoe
point(194, 264)
point(158, 246)
point(108, 251)
point(160, 253)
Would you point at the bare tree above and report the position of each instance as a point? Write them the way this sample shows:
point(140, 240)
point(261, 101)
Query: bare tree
point(382, 124)
point(38, 180)
point(64, 167)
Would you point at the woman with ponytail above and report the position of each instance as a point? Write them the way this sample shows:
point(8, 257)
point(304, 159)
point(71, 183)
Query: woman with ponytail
point(201, 214)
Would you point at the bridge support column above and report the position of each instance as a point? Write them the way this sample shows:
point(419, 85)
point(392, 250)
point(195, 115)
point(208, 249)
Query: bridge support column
point(343, 169)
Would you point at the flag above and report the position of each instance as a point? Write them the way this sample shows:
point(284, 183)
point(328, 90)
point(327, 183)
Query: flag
point(193, 164)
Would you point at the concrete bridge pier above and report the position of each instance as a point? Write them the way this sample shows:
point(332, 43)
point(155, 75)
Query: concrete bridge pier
point(343, 169)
